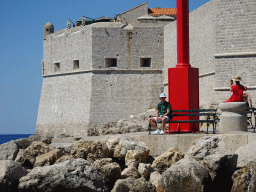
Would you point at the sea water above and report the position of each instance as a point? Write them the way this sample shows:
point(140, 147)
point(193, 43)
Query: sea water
point(8, 137)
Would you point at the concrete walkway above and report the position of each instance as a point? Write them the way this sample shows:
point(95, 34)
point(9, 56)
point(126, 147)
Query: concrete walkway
point(157, 144)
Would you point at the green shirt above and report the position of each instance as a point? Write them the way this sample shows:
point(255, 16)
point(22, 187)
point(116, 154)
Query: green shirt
point(163, 107)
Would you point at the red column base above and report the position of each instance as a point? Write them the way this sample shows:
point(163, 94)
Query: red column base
point(183, 94)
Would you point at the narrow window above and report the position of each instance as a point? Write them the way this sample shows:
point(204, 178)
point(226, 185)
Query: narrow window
point(110, 62)
point(76, 64)
point(145, 62)
point(56, 67)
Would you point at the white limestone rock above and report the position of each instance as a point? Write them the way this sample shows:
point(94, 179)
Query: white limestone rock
point(10, 173)
point(220, 165)
point(206, 146)
point(110, 171)
point(130, 172)
point(145, 170)
point(72, 175)
point(133, 158)
point(246, 154)
point(185, 175)
point(167, 159)
point(9, 151)
point(133, 185)
point(154, 177)
point(129, 143)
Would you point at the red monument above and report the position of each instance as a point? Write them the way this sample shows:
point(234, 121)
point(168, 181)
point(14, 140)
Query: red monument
point(183, 80)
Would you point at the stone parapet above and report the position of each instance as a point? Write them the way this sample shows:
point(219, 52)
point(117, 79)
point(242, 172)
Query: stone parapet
point(233, 117)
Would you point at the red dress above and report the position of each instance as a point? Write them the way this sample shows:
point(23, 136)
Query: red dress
point(237, 95)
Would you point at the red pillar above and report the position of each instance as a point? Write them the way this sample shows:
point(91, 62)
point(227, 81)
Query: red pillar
point(183, 82)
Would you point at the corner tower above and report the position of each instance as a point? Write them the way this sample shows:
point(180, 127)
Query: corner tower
point(48, 29)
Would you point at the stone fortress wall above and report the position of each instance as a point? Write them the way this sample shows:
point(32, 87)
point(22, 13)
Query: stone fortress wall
point(112, 82)
point(222, 45)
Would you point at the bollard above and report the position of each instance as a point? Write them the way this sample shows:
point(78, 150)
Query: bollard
point(233, 117)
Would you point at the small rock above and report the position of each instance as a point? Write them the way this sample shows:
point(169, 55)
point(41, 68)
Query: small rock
point(108, 170)
point(64, 158)
point(129, 143)
point(89, 150)
point(24, 143)
point(133, 185)
point(48, 158)
point(154, 177)
point(133, 158)
point(185, 175)
point(145, 170)
point(167, 159)
point(47, 140)
point(130, 172)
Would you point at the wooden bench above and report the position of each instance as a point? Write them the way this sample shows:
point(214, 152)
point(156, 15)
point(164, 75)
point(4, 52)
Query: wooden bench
point(211, 117)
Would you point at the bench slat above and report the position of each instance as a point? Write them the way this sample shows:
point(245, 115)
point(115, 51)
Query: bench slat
point(191, 121)
point(195, 110)
point(194, 114)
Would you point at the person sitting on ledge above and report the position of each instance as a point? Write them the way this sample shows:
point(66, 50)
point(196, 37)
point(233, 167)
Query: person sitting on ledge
point(247, 97)
point(237, 90)
point(162, 115)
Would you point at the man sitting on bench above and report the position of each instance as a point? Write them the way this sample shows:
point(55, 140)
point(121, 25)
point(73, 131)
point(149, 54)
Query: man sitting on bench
point(162, 115)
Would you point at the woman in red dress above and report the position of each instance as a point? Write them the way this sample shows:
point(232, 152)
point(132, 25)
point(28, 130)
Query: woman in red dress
point(237, 90)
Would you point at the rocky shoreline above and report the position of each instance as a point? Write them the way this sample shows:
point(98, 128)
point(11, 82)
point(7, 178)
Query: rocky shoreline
point(120, 164)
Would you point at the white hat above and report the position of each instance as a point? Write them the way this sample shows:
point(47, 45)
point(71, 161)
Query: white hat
point(162, 95)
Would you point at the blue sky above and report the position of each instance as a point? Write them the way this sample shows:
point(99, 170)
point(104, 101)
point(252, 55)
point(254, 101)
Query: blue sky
point(21, 49)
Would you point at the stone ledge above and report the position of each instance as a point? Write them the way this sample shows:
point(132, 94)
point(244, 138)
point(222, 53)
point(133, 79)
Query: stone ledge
point(158, 144)
point(104, 70)
point(235, 54)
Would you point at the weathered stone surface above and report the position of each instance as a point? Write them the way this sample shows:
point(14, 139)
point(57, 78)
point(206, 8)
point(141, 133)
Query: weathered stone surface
point(111, 143)
point(133, 185)
point(9, 151)
point(221, 168)
point(47, 140)
point(185, 175)
point(206, 146)
point(167, 159)
point(23, 143)
point(36, 148)
point(128, 143)
point(154, 177)
point(35, 137)
point(123, 185)
point(145, 170)
point(220, 164)
point(64, 158)
point(20, 155)
point(142, 185)
point(10, 173)
point(48, 158)
point(244, 179)
point(130, 172)
point(133, 158)
point(132, 124)
point(110, 171)
point(72, 175)
point(89, 150)
point(245, 154)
